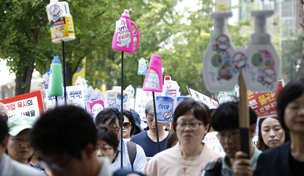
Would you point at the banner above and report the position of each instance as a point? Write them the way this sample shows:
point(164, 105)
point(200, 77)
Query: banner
point(74, 94)
point(264, 104)
point(30, 104)
point(197, 95)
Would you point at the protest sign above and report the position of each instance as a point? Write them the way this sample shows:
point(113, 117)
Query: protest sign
point(197, 95)
point(30, 104)
point(95, 106)
point(264, 104)
point(74, 94)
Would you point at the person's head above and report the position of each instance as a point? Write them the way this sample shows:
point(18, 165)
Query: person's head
point(18, 147)
point(3, 111)
point(110, 117)
point(66, 137)
point(290, 106)
point(225, 120)
point(190, 122)
point(128, 124)
point(107, 143)
point(137, 122)
point(149, 110)
point(271, 133)
point(3, 135)
point(172, 140)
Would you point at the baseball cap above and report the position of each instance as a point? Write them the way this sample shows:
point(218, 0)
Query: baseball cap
point(18, 123)
point(137, 119)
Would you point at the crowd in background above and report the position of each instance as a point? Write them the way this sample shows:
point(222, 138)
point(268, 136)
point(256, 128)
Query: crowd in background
point(67, 141)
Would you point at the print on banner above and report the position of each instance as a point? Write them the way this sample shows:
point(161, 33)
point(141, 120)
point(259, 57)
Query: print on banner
point(164, 108)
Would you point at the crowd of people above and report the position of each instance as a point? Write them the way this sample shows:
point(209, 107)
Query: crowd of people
point(67, 141)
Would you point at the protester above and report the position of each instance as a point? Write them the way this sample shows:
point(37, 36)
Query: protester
point(107, 143)
point(148, 140)
point(225, 120)
point(172, 140)
point(271, 133)
point(137, 122)
point(288, 158)
point(66, 137)
point(129, 126)
point(134, 157)
point(18, 147)
point(9, 167)
point(190, 155)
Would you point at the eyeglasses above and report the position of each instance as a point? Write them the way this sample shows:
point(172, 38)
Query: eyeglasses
point(20, 141)
point(230, 135)
point(59, 167)
point(190, 125)
point(103, 149)
point(126, 124)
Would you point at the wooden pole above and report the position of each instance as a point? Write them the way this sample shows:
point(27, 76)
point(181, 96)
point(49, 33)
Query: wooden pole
point(244, 117)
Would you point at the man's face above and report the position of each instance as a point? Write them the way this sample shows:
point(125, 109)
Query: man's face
point(65, 165)
point(230, 141)
point(151, 123)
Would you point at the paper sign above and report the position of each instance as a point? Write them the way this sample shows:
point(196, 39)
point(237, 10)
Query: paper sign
point(264, 104)
point(75, 96)
point(113, 100)
point(94, 107)
point(164, 108)
point(212, 142)
point(210, 102)
point(30, 104)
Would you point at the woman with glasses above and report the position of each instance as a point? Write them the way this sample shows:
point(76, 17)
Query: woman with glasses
point(18, 147)
point(190, 155)
point(107, 143)
point(129, 126)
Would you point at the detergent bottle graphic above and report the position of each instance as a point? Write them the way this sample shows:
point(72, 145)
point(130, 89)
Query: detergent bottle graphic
point(264, 63)
point(142, 66)
point(218, 65)
point(61, 22)
point(123, 39)
point(55, 84)
point(153, 80)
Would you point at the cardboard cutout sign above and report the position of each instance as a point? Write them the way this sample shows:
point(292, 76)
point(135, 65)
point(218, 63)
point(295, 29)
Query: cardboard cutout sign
point(30, 104)
point(197, 95)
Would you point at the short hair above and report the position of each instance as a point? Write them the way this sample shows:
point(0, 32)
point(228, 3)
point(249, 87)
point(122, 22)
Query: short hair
point(261, 144)
point(149, 108)
point(226, 117)
point(106, 114)
point(289, 93)
point(129, 115)
point(104, 133)
point(200, 112)
point(3, 128)
point(65, 129)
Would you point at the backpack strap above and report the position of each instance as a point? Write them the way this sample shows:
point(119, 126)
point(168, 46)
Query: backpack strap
point(214, 168)
point(131, 152)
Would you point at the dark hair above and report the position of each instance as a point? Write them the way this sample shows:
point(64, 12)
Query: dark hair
point(104, 133)
point(226, 117)
point(129, 115)
point(171, 140)
point(106, 114)
point(200, 112)
point(3, 128)
point(65, 129)
point(289, 93)
point(261, 144)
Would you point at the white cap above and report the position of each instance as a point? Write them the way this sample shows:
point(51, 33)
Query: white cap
point(260, 35)
point(125, 13)
point(219, 20)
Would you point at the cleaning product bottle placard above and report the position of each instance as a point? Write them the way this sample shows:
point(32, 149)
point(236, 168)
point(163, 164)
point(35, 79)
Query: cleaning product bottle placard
point(142, 66)
point(123, 38)
point(152, 80)
point(164, 108)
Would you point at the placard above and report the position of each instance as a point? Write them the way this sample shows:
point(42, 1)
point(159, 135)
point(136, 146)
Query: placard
point(264, 104)
point(197, 95)
point(29, 104)
point(74, 95)
point(95, 106)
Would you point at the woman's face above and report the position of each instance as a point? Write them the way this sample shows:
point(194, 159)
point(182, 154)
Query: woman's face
point(272, 132)
point(103, 149)
point(294, 115)
point(19, 148)
point(189, 130)
point(127, 126)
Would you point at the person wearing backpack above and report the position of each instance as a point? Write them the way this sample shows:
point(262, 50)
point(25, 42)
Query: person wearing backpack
point(134, 157)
